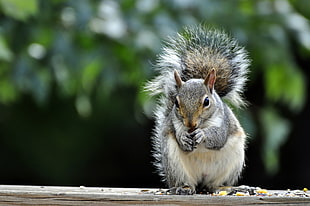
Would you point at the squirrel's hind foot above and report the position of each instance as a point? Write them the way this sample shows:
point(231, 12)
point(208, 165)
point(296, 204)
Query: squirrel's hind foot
point(183, 190)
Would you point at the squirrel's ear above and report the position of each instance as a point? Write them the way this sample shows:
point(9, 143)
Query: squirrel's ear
point(177, 78)
point(210, 80)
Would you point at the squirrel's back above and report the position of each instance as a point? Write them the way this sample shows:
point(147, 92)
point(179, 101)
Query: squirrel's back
point(193, 53)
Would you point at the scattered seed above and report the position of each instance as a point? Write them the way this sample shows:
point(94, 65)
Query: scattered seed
point(241, 194)
point(222, 193)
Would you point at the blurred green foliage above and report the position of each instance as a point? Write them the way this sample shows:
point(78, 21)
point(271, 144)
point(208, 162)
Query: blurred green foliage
point(89, 51)
point(18, 9)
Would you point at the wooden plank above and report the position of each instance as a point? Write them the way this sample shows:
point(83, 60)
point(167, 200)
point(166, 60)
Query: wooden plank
point(49, 195)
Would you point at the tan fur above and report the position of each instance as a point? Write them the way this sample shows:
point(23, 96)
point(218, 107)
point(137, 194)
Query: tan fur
point(214, 166)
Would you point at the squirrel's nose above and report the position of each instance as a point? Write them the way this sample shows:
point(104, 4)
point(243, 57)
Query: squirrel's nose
point(191, 130)
point(192, 126)
point(190, 123)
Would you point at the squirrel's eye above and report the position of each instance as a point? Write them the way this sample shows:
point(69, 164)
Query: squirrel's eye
point(176, 103)
point(206, 102)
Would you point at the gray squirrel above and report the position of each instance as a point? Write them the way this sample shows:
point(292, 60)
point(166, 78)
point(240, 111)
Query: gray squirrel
point(198, 143)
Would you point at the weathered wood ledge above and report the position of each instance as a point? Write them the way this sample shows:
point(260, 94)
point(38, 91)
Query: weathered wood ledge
point(51, 195)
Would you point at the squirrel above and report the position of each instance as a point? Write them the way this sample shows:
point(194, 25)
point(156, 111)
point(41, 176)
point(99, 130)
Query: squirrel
point(198, 143)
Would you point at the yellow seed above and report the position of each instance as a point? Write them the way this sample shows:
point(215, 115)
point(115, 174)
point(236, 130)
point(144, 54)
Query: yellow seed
point(222, 193)
point(305, 189)
point(262, 191)
point(240, 194)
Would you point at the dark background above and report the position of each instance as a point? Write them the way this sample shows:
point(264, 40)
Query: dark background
point(72, 110)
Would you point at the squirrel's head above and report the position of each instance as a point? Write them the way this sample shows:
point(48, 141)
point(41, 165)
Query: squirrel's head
point(194, 103)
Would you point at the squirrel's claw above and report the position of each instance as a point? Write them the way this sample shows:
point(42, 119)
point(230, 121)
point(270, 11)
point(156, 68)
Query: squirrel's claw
point(186, 143)
point(198, 136)
point(184, 190)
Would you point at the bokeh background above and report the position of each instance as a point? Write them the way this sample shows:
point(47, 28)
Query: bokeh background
point(72, 110)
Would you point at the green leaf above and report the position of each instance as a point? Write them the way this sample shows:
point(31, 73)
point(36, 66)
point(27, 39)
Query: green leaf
point(83, 105)
point(7, 91)
point(90, 74)
point(275, 130)
point(285, 83)
point(5, 52)
point(19, 9)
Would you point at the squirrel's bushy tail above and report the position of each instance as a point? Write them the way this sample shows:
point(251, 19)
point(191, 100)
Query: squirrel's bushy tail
point(193, 53)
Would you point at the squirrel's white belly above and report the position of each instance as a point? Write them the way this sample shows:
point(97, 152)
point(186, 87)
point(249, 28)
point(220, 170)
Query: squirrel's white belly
point(209, 167)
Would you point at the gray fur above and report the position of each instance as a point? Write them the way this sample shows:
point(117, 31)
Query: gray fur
point(195, 144)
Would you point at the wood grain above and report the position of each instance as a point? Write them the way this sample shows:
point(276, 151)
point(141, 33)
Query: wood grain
point(51, 195)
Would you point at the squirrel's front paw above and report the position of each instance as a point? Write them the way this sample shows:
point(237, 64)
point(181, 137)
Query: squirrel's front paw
point(198, 136)
point(185, 142)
